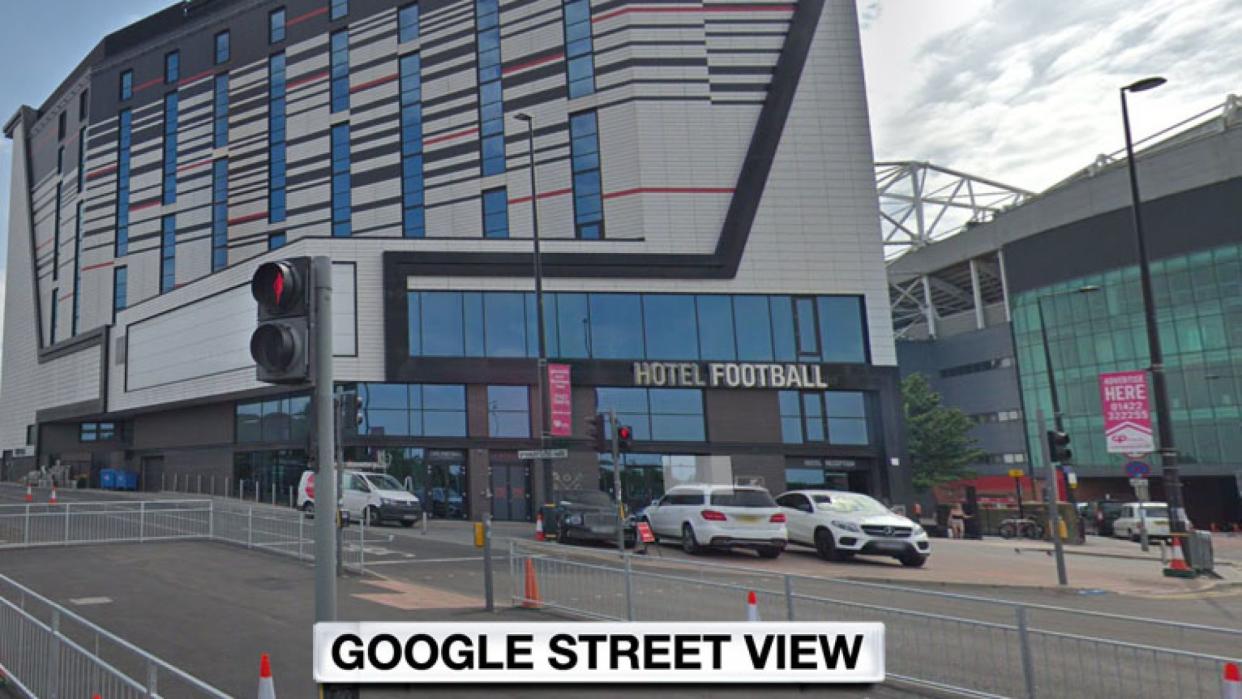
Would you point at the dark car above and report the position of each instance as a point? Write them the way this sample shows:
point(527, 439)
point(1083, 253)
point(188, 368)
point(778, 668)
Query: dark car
point(1102, 515)
point(584, 516)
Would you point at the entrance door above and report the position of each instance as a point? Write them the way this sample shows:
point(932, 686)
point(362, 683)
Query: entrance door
point(152, 472)
point(510, 484)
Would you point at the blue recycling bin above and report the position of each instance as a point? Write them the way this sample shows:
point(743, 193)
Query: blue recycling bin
point(107, 479)
point(131, 479)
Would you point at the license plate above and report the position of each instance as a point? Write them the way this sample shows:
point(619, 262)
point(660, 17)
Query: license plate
point(889, 546)
point(749, 519)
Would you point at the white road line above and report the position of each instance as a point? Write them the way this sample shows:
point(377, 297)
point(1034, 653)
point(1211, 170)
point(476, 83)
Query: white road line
point(86, 601)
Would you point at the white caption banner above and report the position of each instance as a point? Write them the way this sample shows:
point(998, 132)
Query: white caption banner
point(709, 652)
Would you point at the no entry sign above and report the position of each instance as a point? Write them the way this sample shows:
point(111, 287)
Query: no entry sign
point(1127, 415)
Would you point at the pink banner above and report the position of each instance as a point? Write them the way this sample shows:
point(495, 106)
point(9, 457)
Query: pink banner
point(560, 401)
point(1127, 414)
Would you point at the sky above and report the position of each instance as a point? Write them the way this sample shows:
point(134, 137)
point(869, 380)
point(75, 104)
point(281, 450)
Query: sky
point(1020, 91)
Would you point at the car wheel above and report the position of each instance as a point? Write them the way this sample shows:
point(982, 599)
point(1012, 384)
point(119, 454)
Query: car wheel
point(373, 516)
point(308, 508)
point(911, 559)
point(1134, 536)
point(407, 525)
point(688, 542)
point(826, 546)
point(769, 551)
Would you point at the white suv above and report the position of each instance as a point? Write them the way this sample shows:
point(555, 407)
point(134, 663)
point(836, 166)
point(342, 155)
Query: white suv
point(719, 516)
point(840, 523)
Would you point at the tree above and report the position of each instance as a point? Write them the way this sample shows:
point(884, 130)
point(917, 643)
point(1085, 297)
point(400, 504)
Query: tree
point(937, 437)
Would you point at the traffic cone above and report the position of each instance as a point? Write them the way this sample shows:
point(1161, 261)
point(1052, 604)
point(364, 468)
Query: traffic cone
point(539, 528)
point(1177, 565)
point(267, 688)
point(52, 500)
point(752, 606)
point(531, 599)
point(29, 493)
point(1231, 685)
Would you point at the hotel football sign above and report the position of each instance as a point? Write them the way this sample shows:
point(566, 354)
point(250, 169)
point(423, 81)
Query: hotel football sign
point(728, 375)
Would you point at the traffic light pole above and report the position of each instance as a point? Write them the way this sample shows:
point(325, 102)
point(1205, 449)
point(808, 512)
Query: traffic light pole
point(1057, 421)
point(1054, 516)
point(616, 479)
point(325, 445)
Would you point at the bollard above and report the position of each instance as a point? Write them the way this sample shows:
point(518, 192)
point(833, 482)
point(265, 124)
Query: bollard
point(273, 493)
point(424, 522)
point(488, 593)
point(629, 589)
point(789, 598)
point(292, 504)
point(250, 527)
point(142, 521)
point(301, 524)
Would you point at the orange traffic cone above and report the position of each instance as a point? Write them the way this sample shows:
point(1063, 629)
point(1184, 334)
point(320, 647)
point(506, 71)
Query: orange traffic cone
point(531, 599)
point(267, 688)
point(52, 500)
point(1231, 686)
point(29, 493)
point(539, 528)
point(1177, 565)
point(752, 606)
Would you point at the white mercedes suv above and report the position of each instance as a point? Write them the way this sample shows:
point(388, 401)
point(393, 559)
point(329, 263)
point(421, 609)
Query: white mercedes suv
point(840, 524)
point(719, 516)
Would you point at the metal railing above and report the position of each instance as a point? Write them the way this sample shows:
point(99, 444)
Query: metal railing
point(970, 645)
point(86, 522)
point(48, 651)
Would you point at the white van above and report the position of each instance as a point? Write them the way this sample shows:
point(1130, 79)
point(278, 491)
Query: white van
point(1129, 524)
point(377, 496)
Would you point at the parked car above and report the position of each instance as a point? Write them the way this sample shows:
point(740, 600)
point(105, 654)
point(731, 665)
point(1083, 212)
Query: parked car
point(704, 516)
point(584, 515)
point(1129, 523)
point(1102, 514)
point(377, 496)
point(839, 524)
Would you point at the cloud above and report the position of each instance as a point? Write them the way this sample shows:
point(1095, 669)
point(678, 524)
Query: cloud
point(1025, 92)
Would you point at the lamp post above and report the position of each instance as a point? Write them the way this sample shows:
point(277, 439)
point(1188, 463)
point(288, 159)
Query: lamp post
point(1170, 473)
point(542, 364)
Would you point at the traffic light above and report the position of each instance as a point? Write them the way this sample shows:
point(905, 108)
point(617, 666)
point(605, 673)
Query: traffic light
point(1058, 447)
point(281, 344)
point(355, 402)
point(625, 437)
point(597, 434)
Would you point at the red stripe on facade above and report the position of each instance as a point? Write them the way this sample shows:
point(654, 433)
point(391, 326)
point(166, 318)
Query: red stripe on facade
point(372, 83)
point(145, 205)
point(101, 265)
point(692, 8)
point(44, 244)
point(247, 218)
point(669, 190)
point(532, 63)
point(98, 172)
point(67, 296)
point(306, 79)
point(449, 136)
point(302, 18)
point(542, 195)
point(150, 83)
point(191, 166)
point(195, 78)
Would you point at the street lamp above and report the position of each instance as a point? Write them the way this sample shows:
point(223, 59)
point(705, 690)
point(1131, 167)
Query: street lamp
point(1170, 473)
point(542, 364)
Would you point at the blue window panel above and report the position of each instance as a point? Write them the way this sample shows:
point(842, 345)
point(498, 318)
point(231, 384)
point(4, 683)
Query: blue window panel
point(220, 112)
point(385, 396)
point(414, 323)
point(219, 214)
point(276, 210)
point(847, 417)
point(808, 334)
point(444, 410)
point(505, 324)
point(169, 183)
point(386, 423)
point(783, 339)
point(493, 154)
point(753, 323)
point(413, 218)
point(491, 100)
point(588, 192)
point(472, 306)
point(222, 47)
point(77, 267)
point(276, 240)
point(127, 85)
point(338, 9)
point(168, 254)
point(172, 67)
point(124, 138)
point(572, 325)
point(670, 326)
point(579, 53)
point(341, 199)
point(276, 26)
point(120, 289)
point(407, 23)
point(81, 158)
point(813, 416)
point(496, 213)
point(339, 70)
point(791, 417)
point(677, 414)
point(716, 328)
point(508, 411)
point(442, 324)
point(631, 406)
point(55, 306)
point(616, 326)
point(841, 329)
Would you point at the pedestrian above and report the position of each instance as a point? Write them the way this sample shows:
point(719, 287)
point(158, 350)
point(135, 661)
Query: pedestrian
point(957, 521)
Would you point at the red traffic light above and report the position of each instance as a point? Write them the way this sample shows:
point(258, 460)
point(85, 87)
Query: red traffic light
point(624, 433)
point(277, 286)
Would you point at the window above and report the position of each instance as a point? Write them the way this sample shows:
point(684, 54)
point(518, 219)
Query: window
point(413, 216)
point(413, 410)
point(805, 324)
point(660, 414)
point(491, 101)
point(715, 316)
point(277, 419)
point(168, 254)
point(616, 326)
point(338, 59)
point(172, 67)
point(84, 102)
point(407, 23)
point(275, 240)
point(120, 290)
point(61, 125)
point(222, 47)
point(837, 417)
point(508, 411)
point(579, 55)
point(276, 134)
point(60, 160)
point(669, 323)
point(219, 214)
point(81, 159)
point(753, 322)
point(169, 186)
point(77, 267)
point(341, 205)
point(97, 431)
point(56, 235)
point(220, 111)
point(496, 213)
point(588, 194)
point(55, 303)
point(841, 333)
point(127, 84)
point(338, 8)
point(276, 26)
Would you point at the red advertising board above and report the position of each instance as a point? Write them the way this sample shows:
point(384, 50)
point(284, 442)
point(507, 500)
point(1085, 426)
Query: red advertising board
point(560, 401)
point(1127, 413)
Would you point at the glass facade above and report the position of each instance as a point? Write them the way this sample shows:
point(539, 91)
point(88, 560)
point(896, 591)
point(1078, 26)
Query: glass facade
point(168, 253)
point(645, 477)
point(496, 213)
point(276, 134)
point(172, 67)
point(636, 326)
point(579, 53)
point(342, 203)
point(1198, 299)
point(124, 139)
point(168, 192)
point(491, 101)
point(437, 477)
point(659, 414)
point(127, 85)
point(220, 112)
point(835, 417)
point(97, 431)
point(508, 411)
point(77, 266)
point(262, 472)
point(588, 192)
point(280, 419)
point(407, 23)
point(339, 70)
point(219, 214)
point(412, 410)
point(338, 8)
point(276, 26)
point(222, 47)
point(81, 157)
point(413, 217)
point(56, 204)
point(120, 290)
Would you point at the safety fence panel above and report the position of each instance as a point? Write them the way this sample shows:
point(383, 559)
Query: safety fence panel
point(100, 522)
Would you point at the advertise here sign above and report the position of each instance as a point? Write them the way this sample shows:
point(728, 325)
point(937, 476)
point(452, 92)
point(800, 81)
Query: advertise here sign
point(612, 652)
point(1127, 413)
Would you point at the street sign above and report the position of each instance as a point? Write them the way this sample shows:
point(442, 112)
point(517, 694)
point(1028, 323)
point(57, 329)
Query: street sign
point(1016, 473)
point(1072, 478)
point(1140, 489)
point(560, 404)
point(1139, 482)
point(1137, 469)
point(543, 454)
point(1127, 415)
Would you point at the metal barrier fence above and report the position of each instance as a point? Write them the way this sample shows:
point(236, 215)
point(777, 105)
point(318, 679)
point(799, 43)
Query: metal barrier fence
point(48, 651)
point(970, 645)
point(103, 522)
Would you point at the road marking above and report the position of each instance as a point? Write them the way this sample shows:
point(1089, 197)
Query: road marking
point(87, 601)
